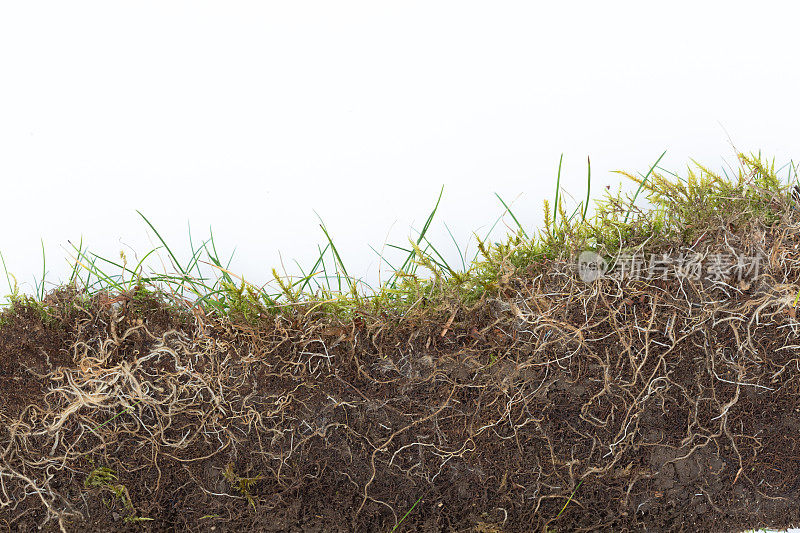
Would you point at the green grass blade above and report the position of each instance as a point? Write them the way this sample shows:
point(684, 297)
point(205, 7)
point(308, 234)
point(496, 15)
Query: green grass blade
point(324, 269)
point(317, 264)
point(40, 289)
point(213, 256)
point(486, 238)
point(569, 499)
point(558, 190)
point(339, 261)
point(421, 236)
point(75, 268)
point(102, 276)
point(136, 270)
point(194, 262)
point(115, 416)
point(460, 254)
point(577, 210)
point(406, 515)
point(442, 263)
point(382, 258)
point(510, 212)
point(642, 184)
point(588, 186)
point(172, 255)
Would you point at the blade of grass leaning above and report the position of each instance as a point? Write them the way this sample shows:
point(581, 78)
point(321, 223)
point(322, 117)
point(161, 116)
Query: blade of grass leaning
point(486, 238)
point(109, 280)
point(785, 165)
point(44, 273)
point(123, 269)
point(230, 273)
point(588, 186)
point(792, 172)
point(195, 253)
point(194, 260)
point(324, 269)
point(351, 284)
point(175, 262)
point(215, 257)
point(172, 255)
point(383, 258)
point(137, 268)
point(578, 209)
point(406, 515)
point(339, 261)
point(510, 212)
point(305, 279)
point(422, 252)
point(135, 273)
point(442, 261)
point(425, 259)
point(74, 274)
point(422, 233)
point(460, 254)
point(558, 190)
point(671, 173)
point(570, 498)
point(87, 285)
point(100, 274)
point(641, 185)
point(210, 300)
point(116, 415)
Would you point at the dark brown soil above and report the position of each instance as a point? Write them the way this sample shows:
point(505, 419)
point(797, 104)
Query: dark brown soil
point(554, 406)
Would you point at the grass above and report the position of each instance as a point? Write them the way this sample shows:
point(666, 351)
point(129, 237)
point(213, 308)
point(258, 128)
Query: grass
point(116, 415)
point(569, 499)
point(406, 515)
point(677, 209)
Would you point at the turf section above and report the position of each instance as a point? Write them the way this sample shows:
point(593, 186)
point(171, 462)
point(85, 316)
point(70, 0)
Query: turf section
point(513, 396)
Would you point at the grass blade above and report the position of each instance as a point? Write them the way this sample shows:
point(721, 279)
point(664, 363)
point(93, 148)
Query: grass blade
point(558, 190)
point(421, 236)
point(41, 290)
point(338, 259)
point(460, 254)
point(74, 274)
point(384, 258)
point(642, 184)
point(315, 267)
point(406, 515)
point(174, 259)
point(510, 212)
point(588, 186)
point(570, 498)
point(486, 238)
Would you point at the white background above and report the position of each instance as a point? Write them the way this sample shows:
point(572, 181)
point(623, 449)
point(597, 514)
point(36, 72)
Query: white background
point(247, 117)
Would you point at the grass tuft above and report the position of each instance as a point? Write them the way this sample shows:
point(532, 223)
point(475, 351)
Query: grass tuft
point(677, 209)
